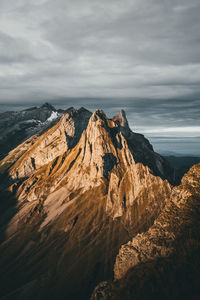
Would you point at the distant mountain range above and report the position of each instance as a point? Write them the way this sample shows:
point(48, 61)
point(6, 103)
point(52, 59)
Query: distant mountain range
point(176, 154)
point(88, 210)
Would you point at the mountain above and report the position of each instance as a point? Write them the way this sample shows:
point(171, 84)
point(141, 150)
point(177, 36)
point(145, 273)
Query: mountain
point(74, 194)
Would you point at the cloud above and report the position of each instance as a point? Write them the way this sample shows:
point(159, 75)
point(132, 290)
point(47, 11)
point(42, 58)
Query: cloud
point(100, 48)
point(142, 56)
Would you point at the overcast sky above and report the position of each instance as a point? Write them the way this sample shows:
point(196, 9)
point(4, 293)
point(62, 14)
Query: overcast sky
point(142, 55)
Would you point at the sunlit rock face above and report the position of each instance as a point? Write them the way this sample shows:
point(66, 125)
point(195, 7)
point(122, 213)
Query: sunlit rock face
point(77, 192)
point(82, 151)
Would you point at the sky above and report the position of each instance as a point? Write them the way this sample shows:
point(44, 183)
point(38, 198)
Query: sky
point(140, 55)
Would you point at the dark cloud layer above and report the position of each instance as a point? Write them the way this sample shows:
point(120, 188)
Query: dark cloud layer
point(142, 55)
point(90, 48)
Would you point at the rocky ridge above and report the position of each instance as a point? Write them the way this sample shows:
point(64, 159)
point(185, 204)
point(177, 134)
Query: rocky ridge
point(64, 160)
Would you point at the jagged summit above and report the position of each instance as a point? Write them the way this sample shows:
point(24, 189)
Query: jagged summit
point(48, 106)
point(83, 109)
point(121, 119)
point(106, 136)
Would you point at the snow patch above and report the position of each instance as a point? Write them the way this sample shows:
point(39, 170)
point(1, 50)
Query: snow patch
point(54, 115)
point(31, 121)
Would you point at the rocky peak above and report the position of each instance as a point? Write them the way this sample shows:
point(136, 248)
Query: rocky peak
point(48, 106)
point(98, 115)
point(121, 119)
point(108, 140)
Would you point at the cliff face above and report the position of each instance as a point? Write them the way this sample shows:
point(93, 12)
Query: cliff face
point(167, 252)
point(72, 196)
